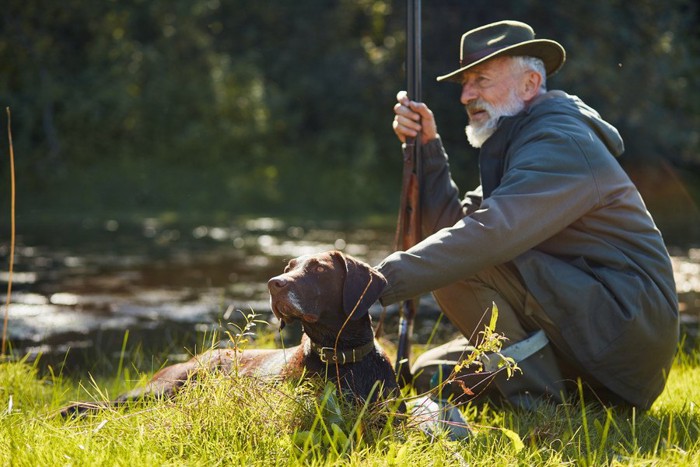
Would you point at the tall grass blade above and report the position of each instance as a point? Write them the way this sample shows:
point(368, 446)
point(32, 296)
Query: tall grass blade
point(12, 234)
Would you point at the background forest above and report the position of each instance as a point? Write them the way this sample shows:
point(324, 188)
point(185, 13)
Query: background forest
point(235, 107)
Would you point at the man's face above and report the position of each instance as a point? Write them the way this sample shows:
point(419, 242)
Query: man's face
point(490, 91)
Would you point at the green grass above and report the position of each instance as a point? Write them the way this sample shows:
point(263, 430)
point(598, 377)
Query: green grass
point(243, 421)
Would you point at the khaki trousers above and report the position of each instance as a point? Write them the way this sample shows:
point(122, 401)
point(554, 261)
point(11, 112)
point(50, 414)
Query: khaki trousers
point(468, 305)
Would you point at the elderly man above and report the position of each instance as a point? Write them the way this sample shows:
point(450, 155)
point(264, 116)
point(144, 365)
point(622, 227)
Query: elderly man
point(557, 236)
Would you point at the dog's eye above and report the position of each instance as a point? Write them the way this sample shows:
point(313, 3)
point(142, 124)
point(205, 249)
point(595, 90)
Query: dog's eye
point(320, 268)
point(292, 263)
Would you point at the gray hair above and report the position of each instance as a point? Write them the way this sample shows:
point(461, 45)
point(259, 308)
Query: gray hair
point(535, 64)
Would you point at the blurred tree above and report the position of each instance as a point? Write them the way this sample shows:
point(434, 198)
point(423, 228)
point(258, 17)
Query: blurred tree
point(285, 107)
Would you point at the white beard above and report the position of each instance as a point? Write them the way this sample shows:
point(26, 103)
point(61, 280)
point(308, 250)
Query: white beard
point(478, 133)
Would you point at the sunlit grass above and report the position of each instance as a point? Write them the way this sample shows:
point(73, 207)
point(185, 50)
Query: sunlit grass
point(244, 421)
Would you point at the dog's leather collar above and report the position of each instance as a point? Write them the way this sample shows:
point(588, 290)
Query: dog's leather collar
point(341, 357)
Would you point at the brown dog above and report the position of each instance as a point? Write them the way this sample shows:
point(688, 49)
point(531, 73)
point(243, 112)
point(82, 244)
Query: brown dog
point(331, 294)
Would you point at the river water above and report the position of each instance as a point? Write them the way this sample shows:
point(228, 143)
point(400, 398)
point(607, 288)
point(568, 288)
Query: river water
point(79, 288)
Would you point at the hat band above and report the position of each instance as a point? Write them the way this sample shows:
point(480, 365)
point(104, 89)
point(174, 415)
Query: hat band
point(478, 55)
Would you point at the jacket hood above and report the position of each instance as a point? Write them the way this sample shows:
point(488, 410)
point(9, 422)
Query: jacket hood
point(559, 102)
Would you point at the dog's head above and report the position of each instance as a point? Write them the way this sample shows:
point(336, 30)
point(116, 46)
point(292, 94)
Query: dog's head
point(325, 287)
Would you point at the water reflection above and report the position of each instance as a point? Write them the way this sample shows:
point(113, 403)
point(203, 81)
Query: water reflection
point(81, 287)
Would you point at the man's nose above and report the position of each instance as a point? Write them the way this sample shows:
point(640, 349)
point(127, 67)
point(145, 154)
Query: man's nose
point(468, 93)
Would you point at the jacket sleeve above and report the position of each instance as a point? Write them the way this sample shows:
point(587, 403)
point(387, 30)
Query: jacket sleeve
point(440, 203)
point(547, 184)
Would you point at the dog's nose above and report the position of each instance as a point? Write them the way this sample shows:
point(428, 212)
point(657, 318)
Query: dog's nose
point(276, 283)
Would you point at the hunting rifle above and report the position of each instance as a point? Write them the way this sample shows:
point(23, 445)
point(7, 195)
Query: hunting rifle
point(408, 229)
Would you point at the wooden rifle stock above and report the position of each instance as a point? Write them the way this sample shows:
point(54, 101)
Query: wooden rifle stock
point(408, 229)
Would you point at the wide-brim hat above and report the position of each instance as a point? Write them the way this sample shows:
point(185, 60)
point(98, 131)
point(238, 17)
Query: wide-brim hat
point(505, 38)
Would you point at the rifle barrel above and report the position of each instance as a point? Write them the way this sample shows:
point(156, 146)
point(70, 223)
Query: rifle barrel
point(409, 224)
point(413, 50)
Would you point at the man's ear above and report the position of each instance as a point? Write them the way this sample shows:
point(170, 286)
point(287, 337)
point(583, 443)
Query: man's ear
point(362, 287)
point(530, 85)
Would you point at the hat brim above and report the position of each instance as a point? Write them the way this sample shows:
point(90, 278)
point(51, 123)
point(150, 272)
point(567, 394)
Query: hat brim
point(550, 52)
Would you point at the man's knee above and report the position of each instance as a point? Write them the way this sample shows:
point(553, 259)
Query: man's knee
point(538, 377)
point(469, 303)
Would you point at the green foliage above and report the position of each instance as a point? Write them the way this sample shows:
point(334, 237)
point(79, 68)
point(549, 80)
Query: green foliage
point(235, 420)
point(645, 64)
point(239, 335)
point(281, 106)
point(246, 421)
point(487, 342)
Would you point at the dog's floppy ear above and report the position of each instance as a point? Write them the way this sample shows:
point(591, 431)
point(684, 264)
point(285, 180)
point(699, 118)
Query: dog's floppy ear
point(360, 278)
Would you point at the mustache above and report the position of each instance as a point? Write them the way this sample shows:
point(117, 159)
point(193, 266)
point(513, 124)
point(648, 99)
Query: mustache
point(477, 105)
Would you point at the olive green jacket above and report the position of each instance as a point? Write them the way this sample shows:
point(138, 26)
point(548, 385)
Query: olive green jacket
point(554, 200)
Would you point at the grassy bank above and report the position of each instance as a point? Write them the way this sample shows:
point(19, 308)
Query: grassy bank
point(239, 421)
